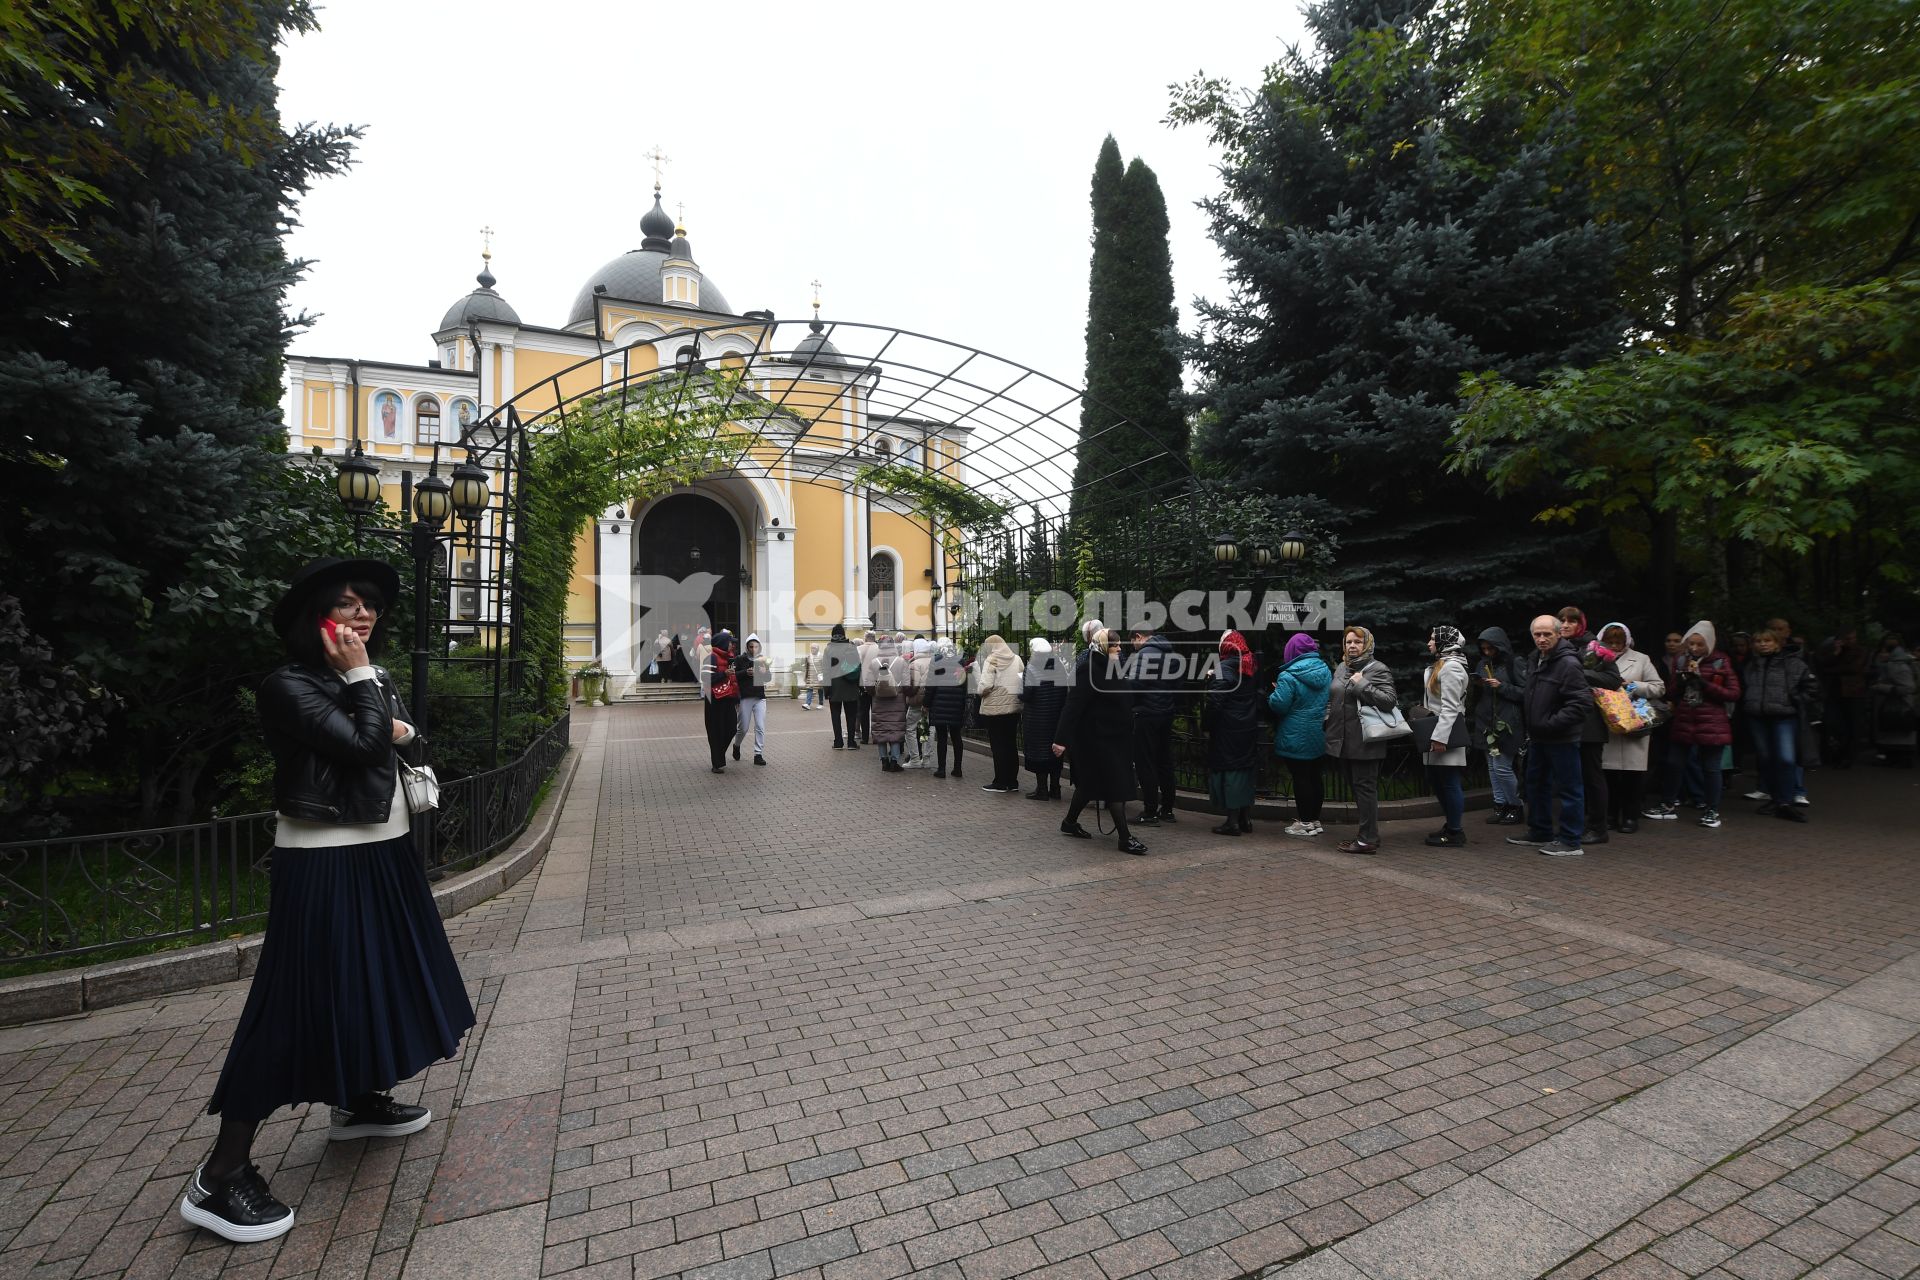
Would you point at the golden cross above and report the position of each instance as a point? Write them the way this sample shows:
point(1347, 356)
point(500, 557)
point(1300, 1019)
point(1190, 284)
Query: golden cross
point(816, 299)
point(659, 159)
point(486, 242)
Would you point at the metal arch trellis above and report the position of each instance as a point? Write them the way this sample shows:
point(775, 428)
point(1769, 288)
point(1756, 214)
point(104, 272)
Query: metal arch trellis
point(869, 383)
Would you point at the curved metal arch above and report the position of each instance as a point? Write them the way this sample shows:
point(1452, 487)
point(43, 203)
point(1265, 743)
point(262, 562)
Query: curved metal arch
point(1022, 427)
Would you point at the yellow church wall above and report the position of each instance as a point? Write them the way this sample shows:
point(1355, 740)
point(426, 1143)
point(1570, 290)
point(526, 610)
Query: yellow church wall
point(824, 406)
point(583, 613)
point(818, 559)
point(909, 539)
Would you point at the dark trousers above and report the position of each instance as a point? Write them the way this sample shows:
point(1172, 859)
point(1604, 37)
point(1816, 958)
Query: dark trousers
point(942, 735)
point(1153, 763)
point(1363, 779)
point(1006, 756)
point(866, 715)
point(850, 713)
point(1553, 773)
point(1046, 777)
point(723, 720)
point(1626, 793)
point(1593, 784)
point(1309, 788)
point(1776, 741)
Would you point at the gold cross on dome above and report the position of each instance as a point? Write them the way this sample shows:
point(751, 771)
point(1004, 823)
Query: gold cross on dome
point(659, 159)
point(486, 242)
point(816, 299)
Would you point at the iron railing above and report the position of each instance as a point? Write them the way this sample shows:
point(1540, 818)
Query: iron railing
point(128, 892)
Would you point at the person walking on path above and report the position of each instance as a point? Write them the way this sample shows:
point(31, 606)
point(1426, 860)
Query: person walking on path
point(1777, 690)
point(947, 701)
point(1096, 737)
point(1624, 757)
point(1705, 689)
point(720, 691)
point(1494, 697)
point(888, 685)
point(1043, 695)
point(1446, 697)
point(1153, 681)
point(997, 681)
point(753, 676)
point(1299, 699)
point(841, 672)
point(1360, 681)
point(1555, 709)
point(356, 987)
point(1232, 715)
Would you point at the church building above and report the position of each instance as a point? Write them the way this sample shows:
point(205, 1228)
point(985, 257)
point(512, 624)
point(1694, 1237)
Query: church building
point(786, 544)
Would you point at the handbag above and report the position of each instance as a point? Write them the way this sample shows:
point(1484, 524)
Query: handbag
point(1383, 726)
point(1616, 708)
point(421, 786)
point(1423, 727)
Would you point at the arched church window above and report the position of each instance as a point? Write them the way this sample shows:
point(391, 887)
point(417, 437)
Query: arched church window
point(426, 420)
point(883, 604)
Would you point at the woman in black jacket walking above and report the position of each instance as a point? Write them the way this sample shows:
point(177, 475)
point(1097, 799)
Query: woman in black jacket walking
point(1043, 696)
point(356, 987)
point(1096, 734)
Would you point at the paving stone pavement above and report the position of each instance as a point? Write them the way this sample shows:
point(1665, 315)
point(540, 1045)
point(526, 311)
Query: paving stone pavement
point(811, 1019)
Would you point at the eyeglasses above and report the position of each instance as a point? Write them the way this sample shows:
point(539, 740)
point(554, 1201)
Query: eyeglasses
point(347, 608)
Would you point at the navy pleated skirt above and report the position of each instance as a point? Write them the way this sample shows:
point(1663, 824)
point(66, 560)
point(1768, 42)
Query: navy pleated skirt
point(357, 988)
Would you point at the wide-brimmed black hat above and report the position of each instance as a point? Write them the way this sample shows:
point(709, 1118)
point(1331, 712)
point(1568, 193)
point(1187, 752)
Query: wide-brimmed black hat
point(331, 571)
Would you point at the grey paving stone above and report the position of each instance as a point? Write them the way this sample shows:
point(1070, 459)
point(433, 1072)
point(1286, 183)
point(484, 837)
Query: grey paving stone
point(1698, 1116)
point(507, 1245)
point(542, 995)
point(1846, 1029)
point(1473, 1228)
point(1775, 1067)
point(1595, 1175)
point(519, 1059)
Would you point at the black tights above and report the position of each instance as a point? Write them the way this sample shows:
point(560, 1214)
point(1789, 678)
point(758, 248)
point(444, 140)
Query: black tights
point(1116, 810)
point(942, 735)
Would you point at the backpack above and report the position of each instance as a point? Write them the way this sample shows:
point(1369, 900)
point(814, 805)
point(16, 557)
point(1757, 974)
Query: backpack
point(883, 682)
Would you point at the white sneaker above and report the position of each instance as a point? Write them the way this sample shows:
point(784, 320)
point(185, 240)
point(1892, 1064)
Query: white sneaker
point(1315, 829)
point(1802, 801)
point(1758, 794)
point(1299, 828)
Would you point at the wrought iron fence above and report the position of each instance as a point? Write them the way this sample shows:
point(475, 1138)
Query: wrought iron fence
point(126, 892)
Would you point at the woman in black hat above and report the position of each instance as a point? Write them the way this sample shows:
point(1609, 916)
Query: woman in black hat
point(356, 987)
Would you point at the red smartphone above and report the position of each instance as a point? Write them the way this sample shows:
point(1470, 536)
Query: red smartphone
point(331, 631)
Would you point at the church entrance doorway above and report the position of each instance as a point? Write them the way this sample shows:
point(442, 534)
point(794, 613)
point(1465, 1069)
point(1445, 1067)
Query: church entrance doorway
point(692, 542)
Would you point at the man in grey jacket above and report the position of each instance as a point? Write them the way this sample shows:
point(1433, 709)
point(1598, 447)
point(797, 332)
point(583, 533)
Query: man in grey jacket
point(1555, 708)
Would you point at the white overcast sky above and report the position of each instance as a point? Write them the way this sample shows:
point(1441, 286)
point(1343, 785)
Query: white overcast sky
point(928, 164)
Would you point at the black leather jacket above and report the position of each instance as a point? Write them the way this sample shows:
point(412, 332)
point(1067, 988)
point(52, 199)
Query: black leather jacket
point(332, 745)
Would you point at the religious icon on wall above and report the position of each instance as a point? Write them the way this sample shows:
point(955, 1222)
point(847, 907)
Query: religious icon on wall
point(386, 412)
point(463, 414)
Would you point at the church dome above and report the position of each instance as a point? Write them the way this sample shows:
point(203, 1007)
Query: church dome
point(482, 304)
point(634, 276)
point(816, 350)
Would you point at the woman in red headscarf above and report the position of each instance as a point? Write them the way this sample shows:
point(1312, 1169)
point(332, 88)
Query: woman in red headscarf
point(1233, 735)
point(720, 688)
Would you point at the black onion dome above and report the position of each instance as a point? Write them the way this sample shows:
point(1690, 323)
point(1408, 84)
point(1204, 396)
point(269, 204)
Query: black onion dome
point(482, 304)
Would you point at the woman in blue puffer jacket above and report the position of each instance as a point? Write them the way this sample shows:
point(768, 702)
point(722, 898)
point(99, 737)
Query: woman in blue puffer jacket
point(1299, 698)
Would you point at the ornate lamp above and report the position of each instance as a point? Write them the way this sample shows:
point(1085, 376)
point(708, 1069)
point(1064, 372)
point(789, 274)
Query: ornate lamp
point(1262, 555)
point(433, 500)
point(470, 490)
point(1226, 549)
point(1293, 547)
point(359, 483)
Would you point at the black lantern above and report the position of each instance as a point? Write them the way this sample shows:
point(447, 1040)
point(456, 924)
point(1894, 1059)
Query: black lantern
point(1226, 549)
point(1262, 555)
point(359, 483)
point(470, 490)
point(433, 500)
point(1293, 547)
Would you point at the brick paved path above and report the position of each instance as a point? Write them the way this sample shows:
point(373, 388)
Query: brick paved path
point(816, 1020)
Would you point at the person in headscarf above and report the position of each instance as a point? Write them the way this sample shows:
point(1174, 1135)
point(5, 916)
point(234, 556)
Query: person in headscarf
point(812, 687)
point(1044, 693)
point(1232, 722)
point(753, 676)
point(1623, 758)
point(947, 700)
point(1495, 694)
point(720, 693)
point(1299, 699)
point(997, 682)
point(1446, 698)
point(888, 714)
point(1096, 735)
point(1705, 687)
point(1361, 680)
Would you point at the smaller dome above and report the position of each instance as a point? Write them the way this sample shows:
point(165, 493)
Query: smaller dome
point(814, 349)
point(681, 249)
point(482, 304)
point(656, 226)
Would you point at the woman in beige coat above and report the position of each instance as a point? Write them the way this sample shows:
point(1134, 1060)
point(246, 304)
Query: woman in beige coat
point(998, 676)
point(1623, 758)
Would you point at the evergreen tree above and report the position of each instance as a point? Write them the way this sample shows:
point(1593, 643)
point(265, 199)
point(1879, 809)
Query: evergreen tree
point(1388, 229)
point(147, 512)
point(1133, 437)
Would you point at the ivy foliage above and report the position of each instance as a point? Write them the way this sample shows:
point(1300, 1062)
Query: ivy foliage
point(939, 499)
point(621, 446)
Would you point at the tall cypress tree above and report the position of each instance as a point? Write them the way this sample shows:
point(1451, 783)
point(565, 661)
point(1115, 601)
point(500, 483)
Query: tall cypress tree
point(1133, 435)
point(147, 513)
point(1388, 229)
